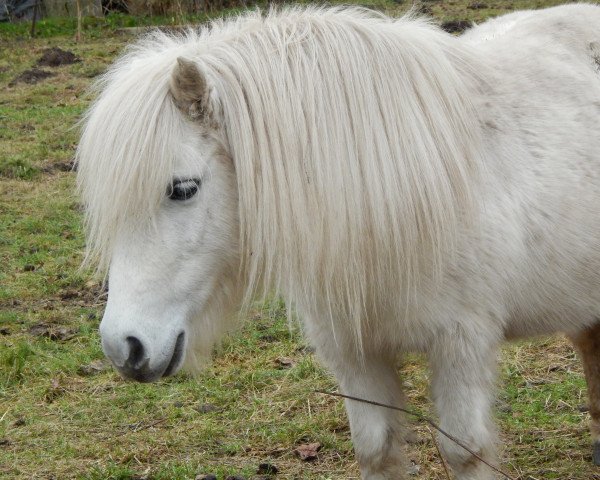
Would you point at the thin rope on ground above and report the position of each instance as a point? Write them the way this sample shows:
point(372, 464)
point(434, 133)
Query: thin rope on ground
point(422, 418)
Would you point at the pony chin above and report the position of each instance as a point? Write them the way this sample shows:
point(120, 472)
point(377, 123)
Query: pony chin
point(198, 355)
point(197, 360)
point(206, 331)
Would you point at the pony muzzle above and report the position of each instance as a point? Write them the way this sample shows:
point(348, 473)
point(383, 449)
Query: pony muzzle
point(133, 358)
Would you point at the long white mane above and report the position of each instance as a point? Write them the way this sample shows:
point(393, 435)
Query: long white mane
point(353, 138)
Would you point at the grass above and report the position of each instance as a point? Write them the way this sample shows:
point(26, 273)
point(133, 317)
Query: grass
point(65, 414)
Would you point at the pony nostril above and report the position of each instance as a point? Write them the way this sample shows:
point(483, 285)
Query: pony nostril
point(136, 352)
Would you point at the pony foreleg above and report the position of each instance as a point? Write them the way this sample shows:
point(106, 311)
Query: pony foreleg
point(463, 367)
point(588, 344)
point(377, 433)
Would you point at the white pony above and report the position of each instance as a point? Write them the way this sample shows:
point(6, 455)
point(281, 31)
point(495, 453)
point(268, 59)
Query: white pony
point(403, 189)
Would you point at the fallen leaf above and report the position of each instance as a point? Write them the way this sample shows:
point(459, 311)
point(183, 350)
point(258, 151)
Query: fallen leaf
point(284, 362)
point(308, 451)
point(93, 368)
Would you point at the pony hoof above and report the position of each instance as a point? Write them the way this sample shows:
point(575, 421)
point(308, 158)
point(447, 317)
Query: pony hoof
point(596, 454)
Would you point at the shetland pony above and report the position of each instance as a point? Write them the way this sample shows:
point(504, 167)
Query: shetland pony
point(401, 188)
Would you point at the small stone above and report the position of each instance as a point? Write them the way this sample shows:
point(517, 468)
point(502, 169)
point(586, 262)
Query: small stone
point(208, 476)
point(29, 268)
point(583, 408)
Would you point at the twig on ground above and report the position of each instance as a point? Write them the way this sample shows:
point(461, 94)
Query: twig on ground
point(143, 427)
point(437, 447)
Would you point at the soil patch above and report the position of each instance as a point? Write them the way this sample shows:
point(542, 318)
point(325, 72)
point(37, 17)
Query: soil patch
point(457, 26)
point(32, 76)
point(55, 57)
point(53, 332)
point(60, 167)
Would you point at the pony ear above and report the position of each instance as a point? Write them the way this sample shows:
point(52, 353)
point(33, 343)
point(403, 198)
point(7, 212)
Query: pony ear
point(192, 92)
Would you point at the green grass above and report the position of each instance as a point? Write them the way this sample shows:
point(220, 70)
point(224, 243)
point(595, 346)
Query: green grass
point(91, 27)
point(64, 413)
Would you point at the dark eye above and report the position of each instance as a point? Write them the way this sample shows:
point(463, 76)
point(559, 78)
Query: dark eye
point(183, 189)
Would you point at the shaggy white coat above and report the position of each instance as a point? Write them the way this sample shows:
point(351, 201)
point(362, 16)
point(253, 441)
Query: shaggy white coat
point(403, 189)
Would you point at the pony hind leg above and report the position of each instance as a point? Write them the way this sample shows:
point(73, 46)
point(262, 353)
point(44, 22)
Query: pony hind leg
point(588, 344)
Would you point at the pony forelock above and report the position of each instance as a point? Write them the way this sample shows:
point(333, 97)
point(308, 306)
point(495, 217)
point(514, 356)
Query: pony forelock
point(126, 153)
point(353, 138)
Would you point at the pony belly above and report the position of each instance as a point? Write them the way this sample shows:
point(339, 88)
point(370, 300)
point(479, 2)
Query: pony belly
point(568, 318)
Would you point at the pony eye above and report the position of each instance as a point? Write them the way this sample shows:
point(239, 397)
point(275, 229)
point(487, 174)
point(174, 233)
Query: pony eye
point(181, 190)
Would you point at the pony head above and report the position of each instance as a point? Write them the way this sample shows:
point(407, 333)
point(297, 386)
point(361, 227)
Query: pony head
point(161, 211)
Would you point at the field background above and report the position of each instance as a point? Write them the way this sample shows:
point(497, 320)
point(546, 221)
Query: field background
point(64, 413)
